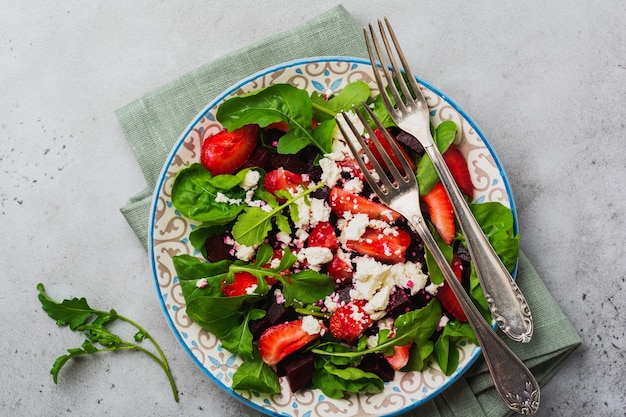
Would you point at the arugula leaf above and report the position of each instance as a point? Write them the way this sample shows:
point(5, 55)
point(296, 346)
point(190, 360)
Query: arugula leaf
point(353, 93)
point(79, 316)
point(307, 286)
point(427, 176)
point(278, 102)
point(256, 375)
point(195, 194)
point(219, 315)
point(239, 338)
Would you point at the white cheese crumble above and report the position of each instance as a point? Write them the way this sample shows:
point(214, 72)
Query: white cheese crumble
point(354, 185)
point(311, 325)
point(251, 180)
point(315, 256)
point(244, 253)
point(223, 198)
point(320, 211)
point(354, 228)
point(330, 172)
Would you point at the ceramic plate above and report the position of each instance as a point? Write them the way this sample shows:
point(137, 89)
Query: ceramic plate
point(169, 233)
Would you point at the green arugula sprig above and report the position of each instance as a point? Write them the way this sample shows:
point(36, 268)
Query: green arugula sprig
point(79, 316)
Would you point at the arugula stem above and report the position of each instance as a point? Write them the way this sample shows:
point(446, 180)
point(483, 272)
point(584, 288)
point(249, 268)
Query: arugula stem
point(324, 109)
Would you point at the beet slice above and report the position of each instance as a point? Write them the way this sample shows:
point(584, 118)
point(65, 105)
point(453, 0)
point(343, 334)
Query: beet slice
point(261, 157)
point(217, 249)
point(399, 303)
point(377, 364)
point(290, 162)
point(299, 368)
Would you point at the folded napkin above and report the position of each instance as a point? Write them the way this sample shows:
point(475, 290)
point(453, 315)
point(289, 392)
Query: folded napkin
point(153, 123)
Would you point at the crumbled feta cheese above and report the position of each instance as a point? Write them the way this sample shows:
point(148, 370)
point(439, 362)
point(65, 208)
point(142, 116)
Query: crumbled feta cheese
point(283, 237)
point(330, 172)
point(320, 211)
point(378, 303)
point(311, 325)
point(442, 322)
point(331, 302)
point(244, 253)
point(202, 283)
point(354, 228)
point(304, 213)
point(251, 180)
point(251, 289)
point(223, 198)
point(315, 256)
point(278, 294)
point(432, 288)
point(354, 185)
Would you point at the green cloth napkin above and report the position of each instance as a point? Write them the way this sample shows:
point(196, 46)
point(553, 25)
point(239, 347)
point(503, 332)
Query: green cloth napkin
point(153, 123)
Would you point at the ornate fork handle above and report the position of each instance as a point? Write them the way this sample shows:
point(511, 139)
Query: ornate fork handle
point(514, 382)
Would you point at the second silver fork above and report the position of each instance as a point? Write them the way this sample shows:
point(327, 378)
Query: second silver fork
point(506, 302)
point(516, 385)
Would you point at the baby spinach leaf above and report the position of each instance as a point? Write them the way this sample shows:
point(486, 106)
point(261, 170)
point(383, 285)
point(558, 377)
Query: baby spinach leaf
point(278, 102)
point(417, 356)
point(427, 176)
point(195, 194)
point(446, 347)
point(307, 286)
point(190, 270)
point(239, 338)
point(256, 375)
point(219, 315)
point(335, 381)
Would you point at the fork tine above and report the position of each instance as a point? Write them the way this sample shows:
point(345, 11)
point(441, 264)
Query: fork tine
point(403, 60)
point(355, 135)
point(408, 173)
point(394, 65)
point(372, 44)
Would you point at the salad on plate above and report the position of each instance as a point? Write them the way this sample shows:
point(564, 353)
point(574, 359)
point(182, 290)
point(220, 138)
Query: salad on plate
point(305, 274)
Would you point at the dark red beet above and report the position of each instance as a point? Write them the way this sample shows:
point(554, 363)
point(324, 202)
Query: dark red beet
point(409, 141)
point(217, 249)
point(399, 303)
point(290, 162)
point(261, 157)
point(377, 364)
point(299, 368)
point(277, 313)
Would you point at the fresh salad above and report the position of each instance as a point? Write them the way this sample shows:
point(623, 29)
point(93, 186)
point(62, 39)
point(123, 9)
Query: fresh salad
point(303, 273)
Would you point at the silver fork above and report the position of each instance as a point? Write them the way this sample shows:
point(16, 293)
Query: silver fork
point(506, 302)
point(398, 190)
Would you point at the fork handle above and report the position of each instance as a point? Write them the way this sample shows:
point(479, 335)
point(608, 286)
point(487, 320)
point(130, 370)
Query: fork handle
point(514, 382)
point(506, 302)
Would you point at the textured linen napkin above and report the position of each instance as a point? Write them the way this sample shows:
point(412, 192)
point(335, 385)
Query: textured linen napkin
point(154, 122)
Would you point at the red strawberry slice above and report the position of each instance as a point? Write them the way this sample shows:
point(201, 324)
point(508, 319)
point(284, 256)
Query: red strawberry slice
point(441, 212)
point(282, 180)
point(323, 235)
point(243, 283)
point(447, 297)
point(282, 126)
point(388, 245)
point(349, 321)
point(280, 340)
point(340, 270)
point(387, 147)
point(225, 152)
point(341, 201)
point(458, 168)
point(400, 357)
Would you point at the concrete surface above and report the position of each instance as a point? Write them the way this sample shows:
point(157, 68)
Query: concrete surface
point(546, 82)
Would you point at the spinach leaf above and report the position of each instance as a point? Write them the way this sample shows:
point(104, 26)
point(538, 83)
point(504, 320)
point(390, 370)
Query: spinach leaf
point(219, 315)
point(239, 338)
point(334, 381)
point(278, 102)
point(418, 355)
point(307, 286)
point(195, 194)
point(427, 176)
point(256, 375)
point(446, 349)
point(190, 270)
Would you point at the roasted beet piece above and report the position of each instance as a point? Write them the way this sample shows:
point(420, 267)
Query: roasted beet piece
point(261, 157)
point(275, 313)
point(399, 303)
point(217, 249)
point(290, 162)
point(409, 141)
point(377, 364)
point(299, 368)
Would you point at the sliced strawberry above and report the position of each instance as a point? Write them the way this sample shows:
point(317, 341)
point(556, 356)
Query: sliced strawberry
point(458, 168)
point(323, 235)
point(282, 180)
point(441, 212)
point(387, 147)
point(382, 245)
point(341, 201)
point(282, 126)
point(280, 340)
point(349, 321)
point(447, 297)
point(225, 152)
point(243, 283)
point(340, 270)
point(400, 357)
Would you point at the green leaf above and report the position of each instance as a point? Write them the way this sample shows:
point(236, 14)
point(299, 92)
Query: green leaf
point(352, 94)
point(334, 381)
point(427, 176)
point(252, 226)
point(256, 375)
point(307, 286)
point(418, 355)
point(74, 312)
point(219, 315)
point(446, 347)
point(278, 102)
point(195, 194)
point(190, 270)
point(239, 339)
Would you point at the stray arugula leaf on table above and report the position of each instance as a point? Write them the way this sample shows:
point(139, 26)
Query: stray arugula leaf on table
point(79, 316)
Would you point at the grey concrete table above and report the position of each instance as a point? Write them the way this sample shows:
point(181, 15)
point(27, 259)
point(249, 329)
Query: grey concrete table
point(546, 82)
